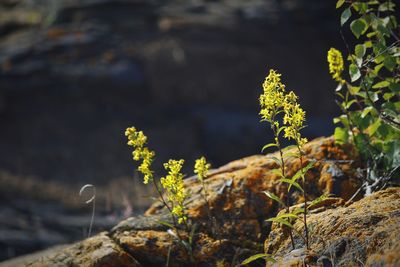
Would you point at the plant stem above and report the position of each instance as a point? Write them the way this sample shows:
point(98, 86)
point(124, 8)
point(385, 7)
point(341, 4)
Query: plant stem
point(304, 195)
point(283, 174)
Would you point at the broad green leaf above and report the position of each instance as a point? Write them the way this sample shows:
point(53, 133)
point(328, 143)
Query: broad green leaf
point(351, 102)
point(341, 135)
point(268, 145)
point(359, 50)
point(354, 72)
point(339, 3)
point(389, 62)
point(274, 197)
point(267, 257)
point(395, 87)
point(291, 183)
point(346, 14)
point(358, 27)
point(381, 84)
point(373, 127)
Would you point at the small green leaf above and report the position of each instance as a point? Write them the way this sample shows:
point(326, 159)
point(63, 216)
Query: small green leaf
point(304, 170)
point(291, 183)
point(277, 172)
point(366, 111)
point(339, 3)
point(264, 256)
point(389, 62)
point(354, 72)
point(277, 161)
point(288, 215)
point(170, 225)
point(381, 84)
point(353, 89)
point(358, 27)
point(268, 145)
point(274, 197)
point(319, 200)
point(281, 221)
point(346, 14)
point(359, 50)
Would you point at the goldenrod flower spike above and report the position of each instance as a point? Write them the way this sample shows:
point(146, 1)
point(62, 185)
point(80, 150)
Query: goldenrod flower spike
point(273, 96)
point(173, 185)
point(336, 65)
point(293, 119)
point(138, 140)
point(201, 168)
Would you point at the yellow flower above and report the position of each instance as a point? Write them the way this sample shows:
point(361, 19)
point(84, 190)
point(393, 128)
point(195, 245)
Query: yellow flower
point(138, 140)
point(201, 168)
point(174, 187)
point(273, 96)
point(336, 65)
point(293, 119)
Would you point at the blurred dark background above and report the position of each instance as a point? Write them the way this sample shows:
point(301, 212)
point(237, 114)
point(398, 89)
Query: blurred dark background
point(75, 73)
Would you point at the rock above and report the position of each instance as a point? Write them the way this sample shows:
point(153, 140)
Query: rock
point(238, 208)
point(364, 233)
point(236, 190)
point(97, 251)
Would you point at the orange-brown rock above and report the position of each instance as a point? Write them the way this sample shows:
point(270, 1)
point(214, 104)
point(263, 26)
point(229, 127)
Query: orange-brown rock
point(366, 233)
point(238, 207)
point(97, 251)
point(235, 191)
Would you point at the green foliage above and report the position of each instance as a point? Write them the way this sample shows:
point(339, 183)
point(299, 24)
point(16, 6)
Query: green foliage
point(370, 99)
point(255, 257)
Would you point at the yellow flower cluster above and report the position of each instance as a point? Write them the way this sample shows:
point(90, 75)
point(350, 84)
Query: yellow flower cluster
point(173, 185)
point(293, 119)
point(275, 100)
point(336, 65)
point(138, 140)
point(273, 96)
point(201, 168)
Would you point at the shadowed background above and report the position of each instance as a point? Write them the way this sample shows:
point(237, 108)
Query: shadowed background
point(74, 74)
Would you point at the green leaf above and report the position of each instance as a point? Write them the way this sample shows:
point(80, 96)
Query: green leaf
point(304, 170)
point(359, 50)
point(353, 89)
point(277, 161)
point(170, 225)
point(255, 257)
point(339, 3)
point(381, 84)
point(341, 135)
point(358, 27)
point(354, 72)
point(288, 215)
point(291, 183)
point(281, 221)
point(366, 111)
point(389, 62)
point(277, 172)
point(395, 87)
point(274, 197)
point(346, 14)
point(319, 200)
point(373, 127)
point(268, 145)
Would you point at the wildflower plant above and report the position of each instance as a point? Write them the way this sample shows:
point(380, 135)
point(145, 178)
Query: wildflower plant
point(370, 97)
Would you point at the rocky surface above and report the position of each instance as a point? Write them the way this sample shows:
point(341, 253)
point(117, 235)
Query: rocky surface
point(365, 233)
point(342, 233)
